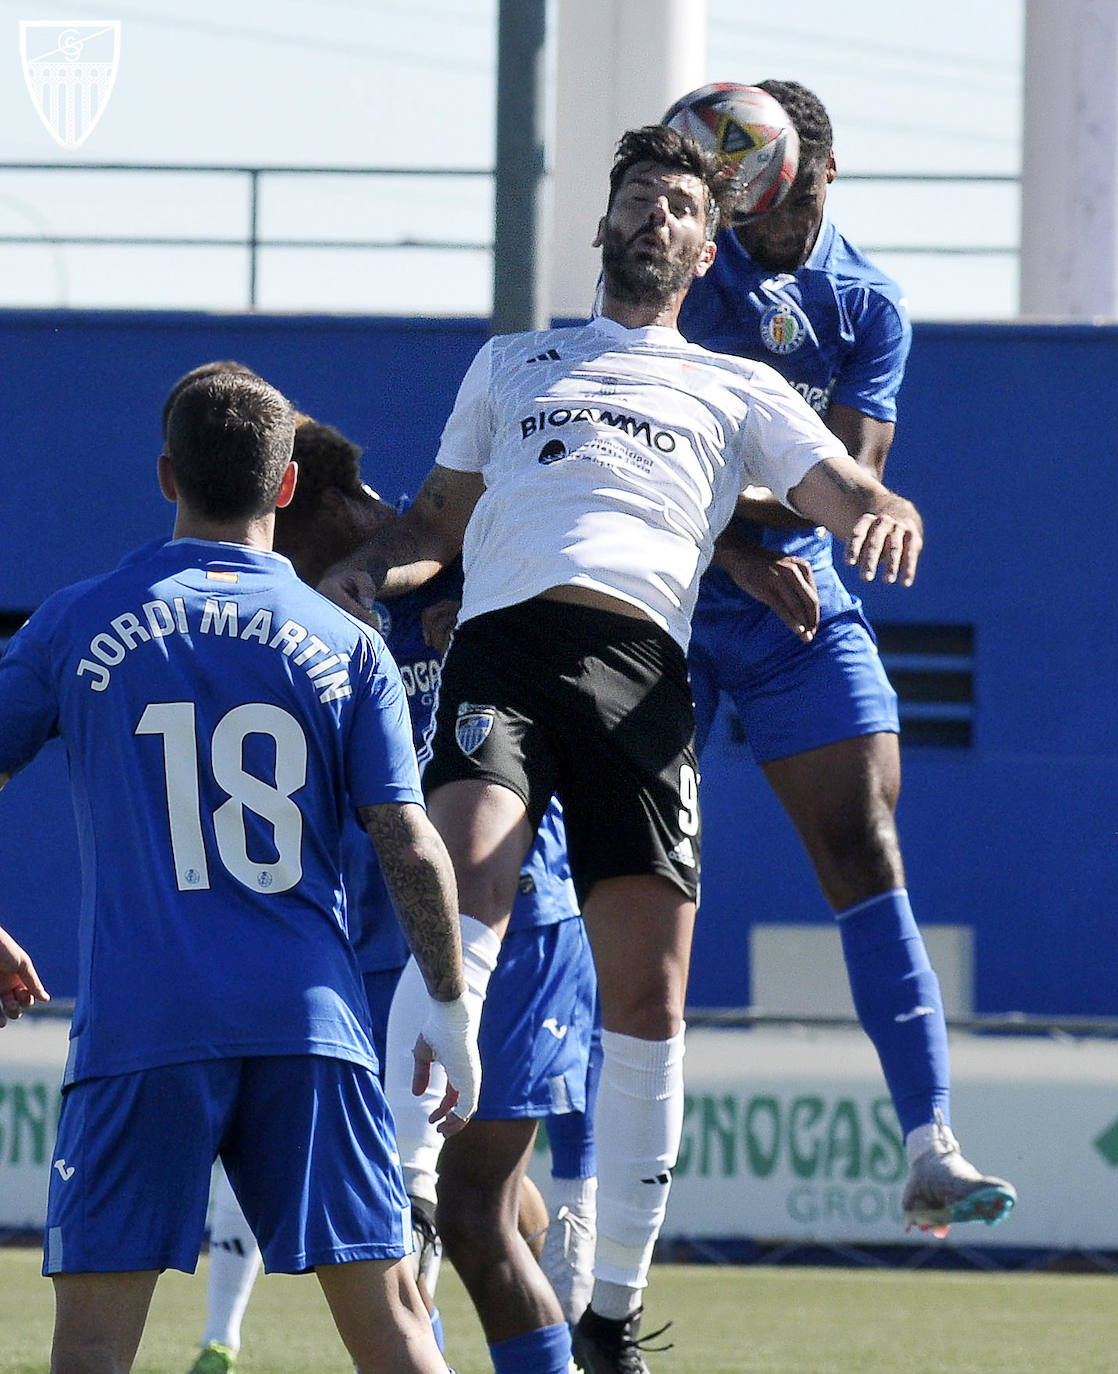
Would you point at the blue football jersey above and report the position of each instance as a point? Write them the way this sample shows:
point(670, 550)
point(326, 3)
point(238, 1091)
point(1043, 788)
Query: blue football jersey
point(546, 893)
point(222, 721)
point(837, 329)
point(374, 927)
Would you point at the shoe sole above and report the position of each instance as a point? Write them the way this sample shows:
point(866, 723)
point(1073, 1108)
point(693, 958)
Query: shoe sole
point(991, 1205)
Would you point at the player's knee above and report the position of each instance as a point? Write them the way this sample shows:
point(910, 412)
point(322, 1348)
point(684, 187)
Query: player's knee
point(657, 1015)
point(858, 857)
point(468, 1219)
point(487, 894)
point(643, 1001)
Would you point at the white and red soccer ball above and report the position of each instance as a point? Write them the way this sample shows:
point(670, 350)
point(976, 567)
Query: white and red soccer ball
point(750, 132)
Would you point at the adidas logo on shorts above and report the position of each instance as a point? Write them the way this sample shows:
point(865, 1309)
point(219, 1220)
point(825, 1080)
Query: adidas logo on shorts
point(683, 853)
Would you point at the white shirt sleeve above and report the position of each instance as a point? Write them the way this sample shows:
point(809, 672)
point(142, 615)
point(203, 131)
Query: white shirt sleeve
point(783, 436)
point(467, 436)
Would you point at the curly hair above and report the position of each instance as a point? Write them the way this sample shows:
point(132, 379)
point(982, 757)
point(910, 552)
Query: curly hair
point(675, 152)
point(326, 459)
point(808, 115)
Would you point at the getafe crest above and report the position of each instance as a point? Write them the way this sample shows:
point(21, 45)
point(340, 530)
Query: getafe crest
point(783, 328)
point(472, 726)
point(70, 66)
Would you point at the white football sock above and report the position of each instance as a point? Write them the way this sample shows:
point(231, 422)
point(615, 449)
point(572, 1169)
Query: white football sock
point(234, 1264)
point(638, 1124)
point(576, 1193)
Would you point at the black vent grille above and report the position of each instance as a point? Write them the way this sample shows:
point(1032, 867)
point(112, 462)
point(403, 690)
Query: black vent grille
point(932, 668)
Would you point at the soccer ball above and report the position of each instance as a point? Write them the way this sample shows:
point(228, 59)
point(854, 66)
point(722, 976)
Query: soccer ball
point(749, 131)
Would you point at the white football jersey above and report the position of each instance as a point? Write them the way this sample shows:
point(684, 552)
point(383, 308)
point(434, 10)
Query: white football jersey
point(612, 458)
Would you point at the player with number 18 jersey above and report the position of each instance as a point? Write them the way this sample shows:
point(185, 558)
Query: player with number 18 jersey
point(162, 678)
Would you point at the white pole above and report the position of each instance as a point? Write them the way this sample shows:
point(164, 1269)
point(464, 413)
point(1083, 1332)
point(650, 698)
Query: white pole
point(1069, 187)
point(620, 64)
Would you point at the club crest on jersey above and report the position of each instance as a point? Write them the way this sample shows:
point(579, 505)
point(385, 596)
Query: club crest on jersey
point(381, 617)
point(783, 328)
point(472, 726)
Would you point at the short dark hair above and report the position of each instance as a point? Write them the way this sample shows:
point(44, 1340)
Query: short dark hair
point(326, 459)
point(229, 440)
point(675, 152)
point(808, 115)
point(197, 374)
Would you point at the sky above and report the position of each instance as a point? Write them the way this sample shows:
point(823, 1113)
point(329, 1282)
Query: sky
point(410, 84)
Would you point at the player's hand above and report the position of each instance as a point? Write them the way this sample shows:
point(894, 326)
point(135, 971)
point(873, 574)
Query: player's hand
point(350, 588)
point(782, 582)
point(890, 540)
point(20, 984)
point(438, 623)
point(450, 1035)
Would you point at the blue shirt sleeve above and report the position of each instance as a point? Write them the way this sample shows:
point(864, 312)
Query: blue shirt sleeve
point(28, 700)
point(873, 369)
point(380, 760)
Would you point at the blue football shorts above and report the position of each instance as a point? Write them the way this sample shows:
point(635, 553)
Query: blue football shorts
point(307, 1142)
point(790, 696)
point(537, 1023)
point(571, 1135)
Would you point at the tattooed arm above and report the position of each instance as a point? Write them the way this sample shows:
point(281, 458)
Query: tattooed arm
point(420, 880)
point(879, 528)
point(408, 550)
point(428, 535)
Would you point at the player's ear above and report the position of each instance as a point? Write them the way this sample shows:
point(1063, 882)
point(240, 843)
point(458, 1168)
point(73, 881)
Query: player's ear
point(598, 236)
point(287, 485)
point(706, 258)
point(166, 478)
point(832, 167)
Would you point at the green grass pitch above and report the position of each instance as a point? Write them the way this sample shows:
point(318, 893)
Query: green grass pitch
point(726, 1320)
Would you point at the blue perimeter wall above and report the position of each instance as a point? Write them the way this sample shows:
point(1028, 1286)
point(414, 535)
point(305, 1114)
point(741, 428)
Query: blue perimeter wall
point(1006, 443)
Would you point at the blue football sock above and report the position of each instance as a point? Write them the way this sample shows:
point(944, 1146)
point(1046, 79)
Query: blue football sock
point(571, 1134)
point(897, 998)
point(437, 1328)
point(547, 1350)
point(571, 1137)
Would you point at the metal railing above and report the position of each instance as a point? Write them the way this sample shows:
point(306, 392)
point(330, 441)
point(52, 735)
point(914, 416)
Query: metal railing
point(1008, 1023)
point(253, 241)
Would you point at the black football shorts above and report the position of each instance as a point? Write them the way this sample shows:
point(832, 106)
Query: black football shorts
point(547, 697)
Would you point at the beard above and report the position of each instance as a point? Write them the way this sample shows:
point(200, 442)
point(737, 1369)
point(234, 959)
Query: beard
point(638, 278)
